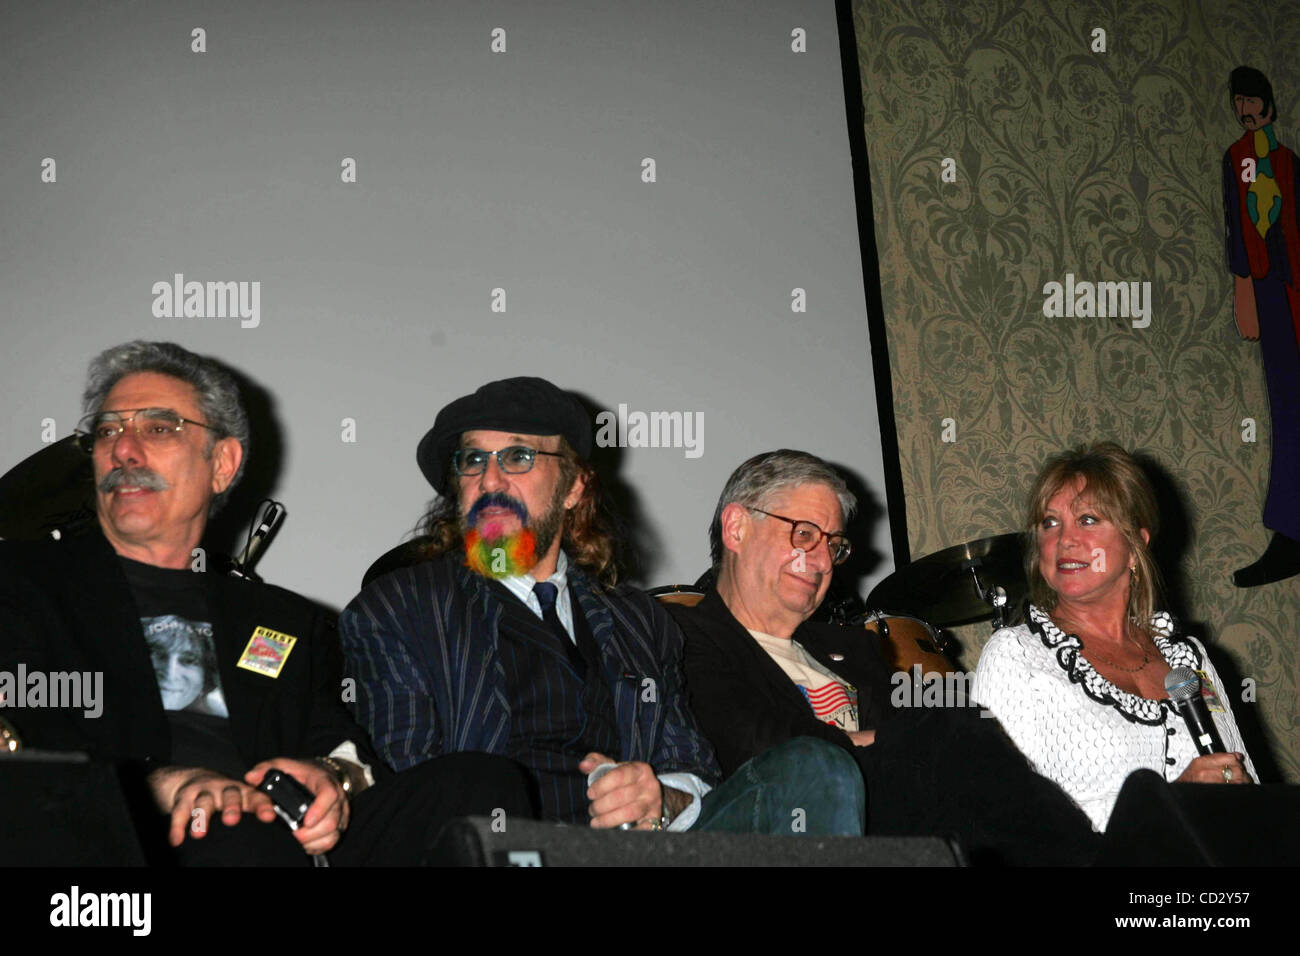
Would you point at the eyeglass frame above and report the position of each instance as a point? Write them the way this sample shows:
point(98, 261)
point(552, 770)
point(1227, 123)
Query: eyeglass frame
point(455, 460)
point(821, 535)
point(89, 439)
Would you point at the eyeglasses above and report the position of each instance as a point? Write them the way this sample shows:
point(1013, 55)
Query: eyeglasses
point(156, 426)
point(805, 536)
point(513, 460)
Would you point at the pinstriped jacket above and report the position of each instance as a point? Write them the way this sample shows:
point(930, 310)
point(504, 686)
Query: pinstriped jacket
point(422, 645)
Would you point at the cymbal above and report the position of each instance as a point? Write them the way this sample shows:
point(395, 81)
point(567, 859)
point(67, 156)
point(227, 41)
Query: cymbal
point(54, 488)
point(940, 588)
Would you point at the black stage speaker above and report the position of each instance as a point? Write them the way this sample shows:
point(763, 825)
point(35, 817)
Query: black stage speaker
point(1155, 823)
point(63, 809)
point(471, 841)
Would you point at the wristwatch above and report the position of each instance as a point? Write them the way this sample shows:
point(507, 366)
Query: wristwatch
point(340, 772)
point(665, 817)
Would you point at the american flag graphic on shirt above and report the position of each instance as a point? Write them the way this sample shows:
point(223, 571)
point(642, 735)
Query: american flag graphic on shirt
point(832, 702)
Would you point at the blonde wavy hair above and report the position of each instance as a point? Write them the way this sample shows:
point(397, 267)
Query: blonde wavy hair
point(1121, 493)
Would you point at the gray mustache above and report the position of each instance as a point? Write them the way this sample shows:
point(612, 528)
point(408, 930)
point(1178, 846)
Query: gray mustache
point(145, 478)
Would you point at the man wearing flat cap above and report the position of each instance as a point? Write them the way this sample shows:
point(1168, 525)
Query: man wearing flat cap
point(511, 637)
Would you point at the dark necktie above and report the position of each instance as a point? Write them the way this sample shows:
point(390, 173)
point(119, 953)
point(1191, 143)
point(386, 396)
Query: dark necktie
point(546, 594)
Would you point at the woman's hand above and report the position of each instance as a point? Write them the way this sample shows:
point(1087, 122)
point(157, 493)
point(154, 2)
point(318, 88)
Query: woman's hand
point(1216, 768)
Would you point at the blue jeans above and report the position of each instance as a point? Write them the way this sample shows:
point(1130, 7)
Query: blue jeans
point(804, 786)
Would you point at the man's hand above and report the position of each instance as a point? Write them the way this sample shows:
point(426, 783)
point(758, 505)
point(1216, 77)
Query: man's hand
point(327, 817)
point(191, 797)
point(862, 738)
point(1210, 769)
point(1244, 309)
point(630, 793)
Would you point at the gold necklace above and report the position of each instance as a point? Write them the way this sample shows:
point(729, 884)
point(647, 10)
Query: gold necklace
point(1146, 658)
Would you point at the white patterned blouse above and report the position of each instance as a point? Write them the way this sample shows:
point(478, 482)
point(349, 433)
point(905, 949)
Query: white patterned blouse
point(1079, 729)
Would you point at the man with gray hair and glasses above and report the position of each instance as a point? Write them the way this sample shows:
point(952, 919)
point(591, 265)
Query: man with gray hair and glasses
point(258, 686)
point(760, 672)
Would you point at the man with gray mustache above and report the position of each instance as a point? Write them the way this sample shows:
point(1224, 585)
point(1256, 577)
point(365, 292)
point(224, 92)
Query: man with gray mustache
point(210, 681)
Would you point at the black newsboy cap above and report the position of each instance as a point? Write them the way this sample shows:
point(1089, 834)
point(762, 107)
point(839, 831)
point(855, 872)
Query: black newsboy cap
point(525, 405)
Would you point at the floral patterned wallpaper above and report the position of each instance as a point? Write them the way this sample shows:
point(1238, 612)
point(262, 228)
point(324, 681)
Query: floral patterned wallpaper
point(1007, 150)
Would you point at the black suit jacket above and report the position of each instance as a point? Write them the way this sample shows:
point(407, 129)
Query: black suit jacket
point(746, 704)
point(936, 770)
point(66, 606)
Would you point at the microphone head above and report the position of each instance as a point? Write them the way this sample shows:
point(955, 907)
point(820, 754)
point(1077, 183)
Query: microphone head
point(1181, 684)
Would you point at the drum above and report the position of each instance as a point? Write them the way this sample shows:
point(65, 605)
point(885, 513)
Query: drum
point(908, 641)
point(686, 594)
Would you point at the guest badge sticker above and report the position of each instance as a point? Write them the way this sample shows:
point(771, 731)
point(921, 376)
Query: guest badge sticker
point(266, 652)
point(1209, 693)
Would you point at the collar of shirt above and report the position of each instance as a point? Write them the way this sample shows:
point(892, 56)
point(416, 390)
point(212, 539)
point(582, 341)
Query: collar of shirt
point(521, 586)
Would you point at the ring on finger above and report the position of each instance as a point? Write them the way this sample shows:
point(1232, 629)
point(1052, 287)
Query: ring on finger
point(1227, 775)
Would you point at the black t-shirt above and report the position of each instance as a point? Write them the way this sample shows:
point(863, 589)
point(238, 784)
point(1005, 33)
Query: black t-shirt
point(176, 620)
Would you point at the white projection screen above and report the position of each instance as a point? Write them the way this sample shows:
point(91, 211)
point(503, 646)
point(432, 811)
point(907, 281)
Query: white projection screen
point(651, 204)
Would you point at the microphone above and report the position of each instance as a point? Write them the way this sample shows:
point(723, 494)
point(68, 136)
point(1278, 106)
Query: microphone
point(1184, 690)
point(258, 537)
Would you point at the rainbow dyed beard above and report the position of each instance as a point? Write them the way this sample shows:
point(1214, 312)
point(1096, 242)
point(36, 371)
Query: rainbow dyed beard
point(514, 554)
point(507, 556)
